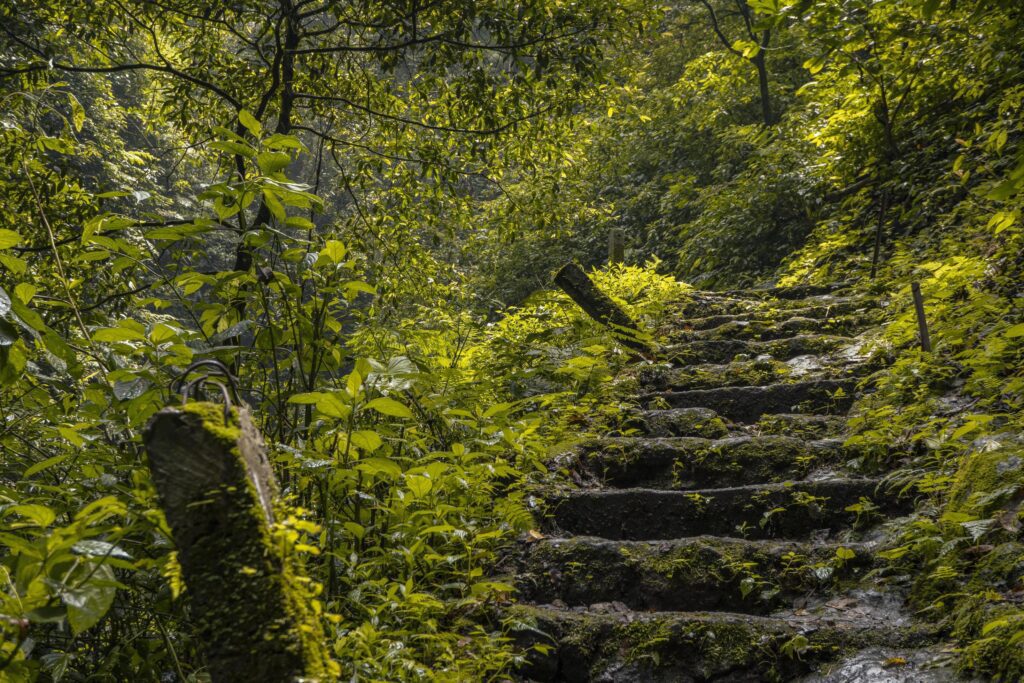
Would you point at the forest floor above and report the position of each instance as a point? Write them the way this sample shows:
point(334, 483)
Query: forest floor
point(726, 533)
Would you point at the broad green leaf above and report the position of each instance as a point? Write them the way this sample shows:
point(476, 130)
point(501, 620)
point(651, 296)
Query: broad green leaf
point(40, 515)
point(334, 250)
point(418, 485)
point(117, 334)
point(382, 466)
point(232, 147)
point(16, 265)
point(366, 440)
point(272, 162)
point(250, 123)
point(27, 315)
point(390, 407)
point(309, 398)
point(89, 602)
point(9, 238)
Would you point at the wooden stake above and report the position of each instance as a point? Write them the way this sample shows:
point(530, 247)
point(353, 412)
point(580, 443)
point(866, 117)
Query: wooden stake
point(616, 247)
point(599, 306)
point(254, 618)
point(922, 323)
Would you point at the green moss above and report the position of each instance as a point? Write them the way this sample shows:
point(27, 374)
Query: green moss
point(264, 564)
point(986, 479)
point(212, 417)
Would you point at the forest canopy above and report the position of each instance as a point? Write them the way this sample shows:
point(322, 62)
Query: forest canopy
point(358, 208)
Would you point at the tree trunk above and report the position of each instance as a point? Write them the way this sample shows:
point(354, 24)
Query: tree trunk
point(760, 62)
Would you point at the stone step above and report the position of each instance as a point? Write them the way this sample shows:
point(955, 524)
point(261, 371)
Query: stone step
point(704, 304)
point(800, 426)
point(792, 291)
point(682, 463)
point(763, 330)
point(782, 510)
point(701, 573)
point(867, 308)
point(698, 422)
point(748, 404)
point(727, 350)
point(614, 646)
point(749, 373)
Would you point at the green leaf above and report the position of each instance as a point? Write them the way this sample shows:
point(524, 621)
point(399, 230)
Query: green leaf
point(334, 250)
point(309, 398)
point(14, 264)
point(117, 334)
point(1015, 331)
point(366, 440)
point(845, 553)
point(250, 123)
point(77, 112)
point(233, 147)
point(332, 405)
point(814, 64)
point(40, 515)
point(87, 603)
point(390, 407)
point(274, 204)
point(27, 315)
point(418, 485)
point(272, 162)
point(299, 222)
point(380, 466)
point(9, 238)
point(45, 464)
point(281, 141)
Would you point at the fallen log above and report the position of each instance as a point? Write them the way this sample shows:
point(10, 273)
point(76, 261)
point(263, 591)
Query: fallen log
point(600, 307)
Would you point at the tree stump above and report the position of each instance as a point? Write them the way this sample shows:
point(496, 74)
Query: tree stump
point(254, 616)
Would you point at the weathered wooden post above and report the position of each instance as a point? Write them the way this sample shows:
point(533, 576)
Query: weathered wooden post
point(254, 617)
point(600, 306)
point(616, 247)
point(922, 322)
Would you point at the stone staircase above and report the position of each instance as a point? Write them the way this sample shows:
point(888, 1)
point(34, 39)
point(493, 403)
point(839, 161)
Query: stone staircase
point(723, 534)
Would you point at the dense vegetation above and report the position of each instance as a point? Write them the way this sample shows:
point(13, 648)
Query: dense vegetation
point(341, 200)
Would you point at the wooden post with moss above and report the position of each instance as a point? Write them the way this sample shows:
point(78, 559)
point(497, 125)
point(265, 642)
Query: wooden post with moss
point(616, 247)
point(250, 605)
point(600, 306)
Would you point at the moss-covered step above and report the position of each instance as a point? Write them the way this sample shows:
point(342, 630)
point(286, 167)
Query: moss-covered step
point(703, 304)
point(727, 350)
point(791, 326)
point(701, 573)
point(687, 463)
point(798, 425)
point(706, 423)
point(787, 510)
point(792, 291)
point(748, 404)
point(868, 308)
point(684, 647)
point(759, 372)
point(701, 422)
